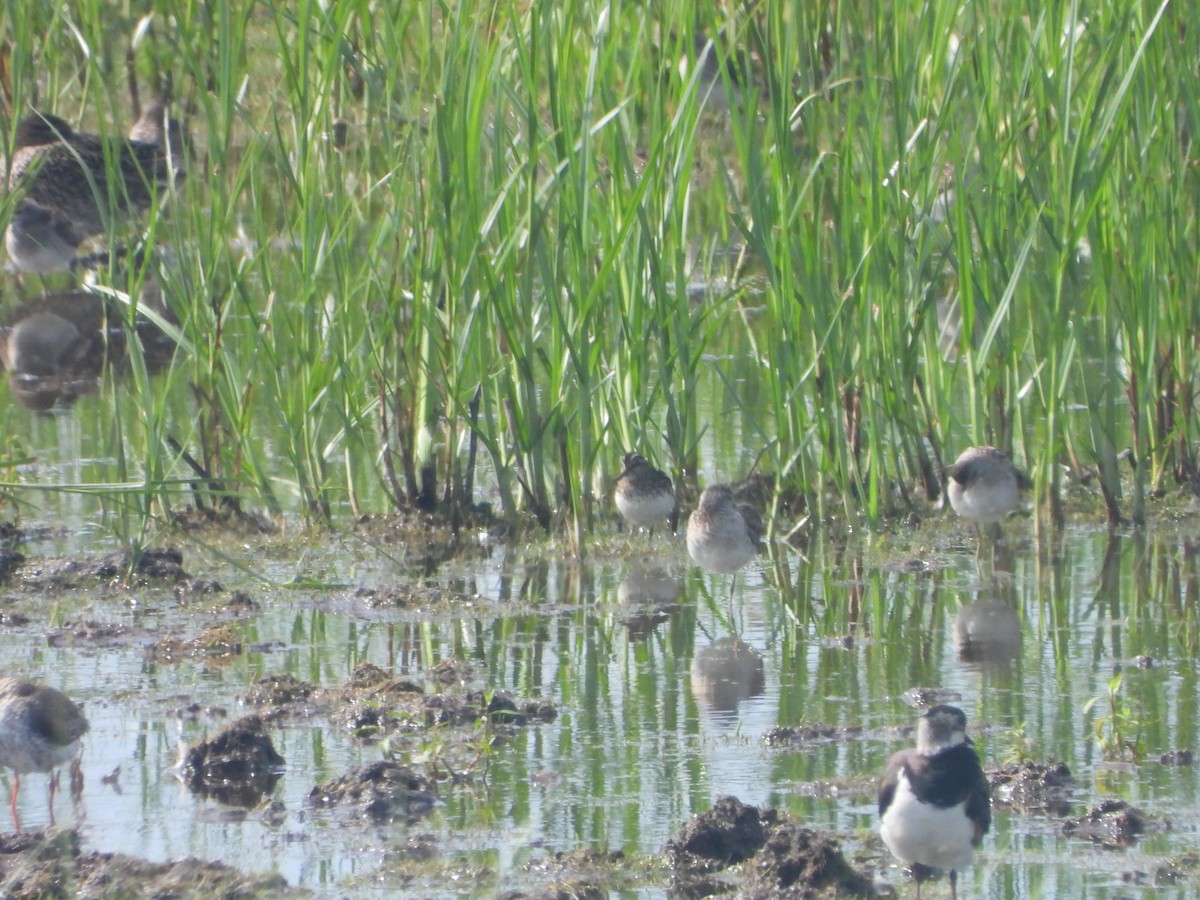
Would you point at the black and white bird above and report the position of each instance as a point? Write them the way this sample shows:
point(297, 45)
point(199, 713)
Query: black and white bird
point(984, 485)
point(934, 802)
point(644, 495)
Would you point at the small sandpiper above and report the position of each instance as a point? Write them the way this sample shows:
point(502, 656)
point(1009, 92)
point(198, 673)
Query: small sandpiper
point(723, 535)
point(40, 729)
point(64, 176)
point(644, 495)
point(984, 486)
point(934, 802)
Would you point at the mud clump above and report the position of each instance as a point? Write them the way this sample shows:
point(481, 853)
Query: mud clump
point(1034, 787)
point(784, 735)
point(497, 708)
point(802, 862)
point(782, 858)
point(215, 642)
point(1114, 823)
point(238, 766)
point(382, 792)
point(374, 703)
point(1183, 757)
point(729, 833)
point(151, 565)
point(278, 690)
point(9, 560)
point(49, 864)
point(571, 875)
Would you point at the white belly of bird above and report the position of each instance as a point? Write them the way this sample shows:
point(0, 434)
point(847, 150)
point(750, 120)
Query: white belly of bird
point(646, 510)
point(916, 832)
point(23, 752)
point(984, 502)
point(724, 546)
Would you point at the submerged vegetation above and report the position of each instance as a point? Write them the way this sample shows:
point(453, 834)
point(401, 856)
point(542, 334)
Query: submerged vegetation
point(441, 252)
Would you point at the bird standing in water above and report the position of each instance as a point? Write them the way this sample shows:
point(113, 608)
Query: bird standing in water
point(644, 495)
point(40, 729)
point(722, 534)
point(934, 801)
point(76, 186)
point(984, 485)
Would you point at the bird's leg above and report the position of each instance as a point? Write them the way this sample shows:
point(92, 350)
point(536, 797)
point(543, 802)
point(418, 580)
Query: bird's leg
point(53, 788)
point(953, 885)
point(15, 790)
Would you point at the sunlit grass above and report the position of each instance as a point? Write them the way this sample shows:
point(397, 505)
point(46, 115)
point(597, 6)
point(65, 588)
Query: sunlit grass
point(501, 253)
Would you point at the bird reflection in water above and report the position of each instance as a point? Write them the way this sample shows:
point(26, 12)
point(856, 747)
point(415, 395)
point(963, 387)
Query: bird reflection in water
point(56, 347)
point(725, 673)
point(988, 632)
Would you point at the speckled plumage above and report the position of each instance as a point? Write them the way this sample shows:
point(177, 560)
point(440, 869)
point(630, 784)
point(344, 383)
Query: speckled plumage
point(644, 495)
point(76, 185)
point(723, 535)
point(40, 729)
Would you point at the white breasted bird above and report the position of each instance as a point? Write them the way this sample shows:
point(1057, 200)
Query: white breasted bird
point(722, 534)
point(644, 495)
point(40, 729)
point(984, 486)
point(934, 801)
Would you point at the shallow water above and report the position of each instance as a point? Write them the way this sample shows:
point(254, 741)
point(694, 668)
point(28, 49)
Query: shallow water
point(665, 688)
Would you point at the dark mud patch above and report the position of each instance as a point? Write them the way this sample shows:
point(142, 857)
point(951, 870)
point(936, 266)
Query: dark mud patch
point(1178, 758)
point(802, 862)
point(151, 566)
point(409, 596)
point(381, 792)
point(49, 864)
point(775, 857)
point(1033, 787)
point(96, 634)
point(785, 736)
point(214, 643)
point(432, 538)
point(1114, 823)
point(374, 703)
point(795, 737)
point(729, 833)
point(574, 875)
point(238, 766)
point(10, 560)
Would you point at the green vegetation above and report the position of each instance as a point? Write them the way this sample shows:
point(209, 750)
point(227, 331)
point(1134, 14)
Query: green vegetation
point(1118, 726)
point(451, 246)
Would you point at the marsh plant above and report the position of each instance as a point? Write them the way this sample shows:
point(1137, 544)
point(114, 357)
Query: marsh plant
point(1117, 723)
point(430, 254)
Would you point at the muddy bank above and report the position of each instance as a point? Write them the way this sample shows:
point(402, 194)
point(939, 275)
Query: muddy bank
point(50, 864)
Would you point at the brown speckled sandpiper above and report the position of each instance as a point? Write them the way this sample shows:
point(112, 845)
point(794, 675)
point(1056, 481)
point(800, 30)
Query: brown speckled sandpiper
point(984, 486)
point(83, 183)
point(723, 535)
point(644, 495)
point(934, 801)
point(40, 729)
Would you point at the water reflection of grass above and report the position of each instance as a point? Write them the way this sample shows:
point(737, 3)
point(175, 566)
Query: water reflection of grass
point(959, 227)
